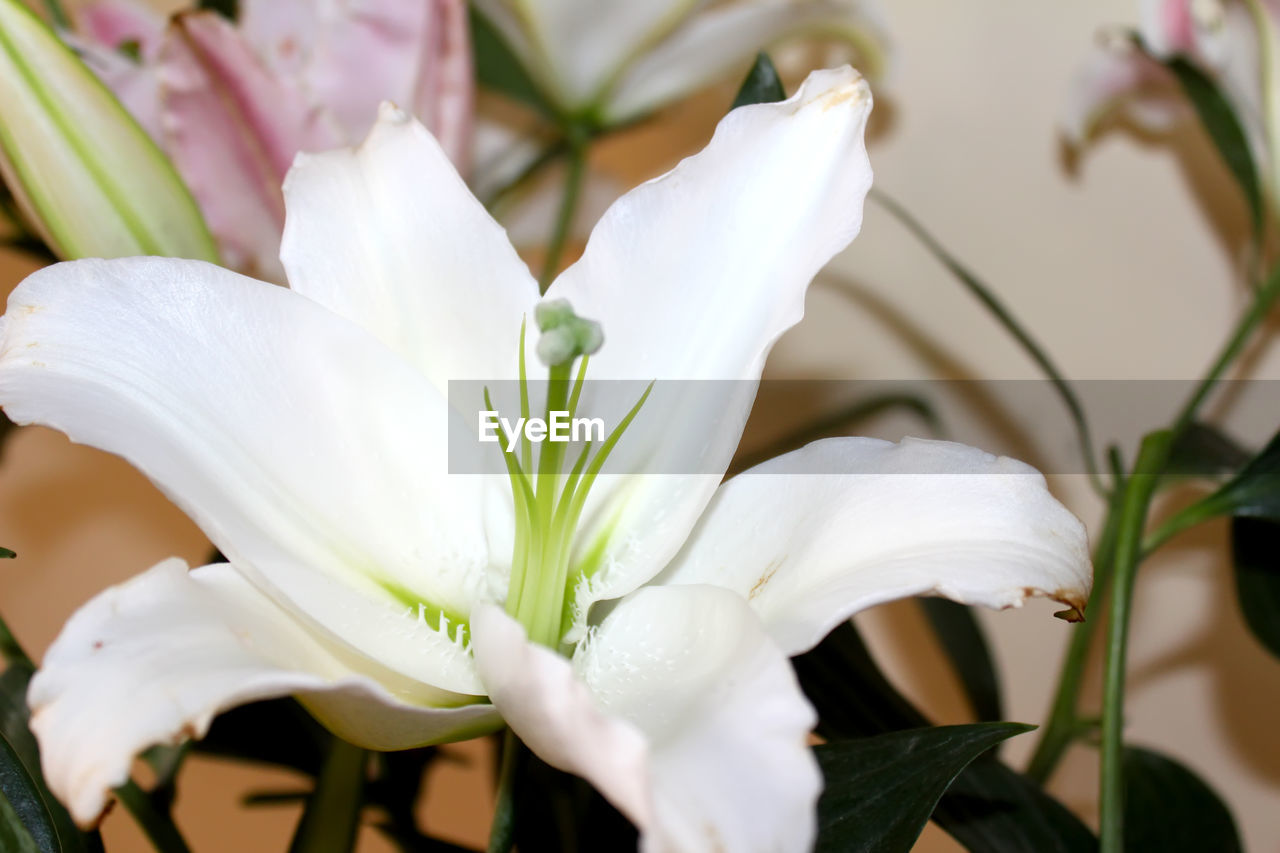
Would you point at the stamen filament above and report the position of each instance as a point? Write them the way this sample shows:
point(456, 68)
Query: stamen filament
point(548, 504)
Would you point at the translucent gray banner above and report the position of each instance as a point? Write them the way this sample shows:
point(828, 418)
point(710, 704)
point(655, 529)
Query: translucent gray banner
point(686, 427)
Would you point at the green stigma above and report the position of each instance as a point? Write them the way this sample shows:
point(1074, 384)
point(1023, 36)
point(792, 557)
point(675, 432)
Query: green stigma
point(548, 500)
point(565, 335)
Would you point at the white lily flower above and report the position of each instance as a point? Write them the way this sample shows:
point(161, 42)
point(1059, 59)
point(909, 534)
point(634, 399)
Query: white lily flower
point(618, 59)
point(304, 430)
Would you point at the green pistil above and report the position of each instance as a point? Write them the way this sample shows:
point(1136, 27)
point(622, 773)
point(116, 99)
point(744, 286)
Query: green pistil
point(549, 503)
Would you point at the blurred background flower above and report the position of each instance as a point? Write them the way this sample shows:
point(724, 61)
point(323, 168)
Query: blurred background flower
point(232, 103)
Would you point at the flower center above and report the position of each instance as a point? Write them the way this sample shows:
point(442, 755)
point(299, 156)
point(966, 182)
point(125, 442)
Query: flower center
point(549, 502)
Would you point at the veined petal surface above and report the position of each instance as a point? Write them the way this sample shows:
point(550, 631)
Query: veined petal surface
point(389, 236)
point(155, 659)
point(309, 453)
point(679, 709)
point(812, 537)
point(693, 276)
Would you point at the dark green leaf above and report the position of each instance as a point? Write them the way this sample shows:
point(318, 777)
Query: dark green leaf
point(6, 554)
point(1254, 492)
point(559, 811)
point(11, 650)
point(965, 644)
point(25, 804)
point(14, 719)
point(14, 837)
point(1203, 450)
point(762, 86)
point(152, 815)
point(850, 693)
point(1224, 128)
point(1255, 547)
point(498, 68)
point(1170, 809)
point(990, 808)
point(278, 732)
point(397, 786)
point(229, 9)
point(6, 429)
point(879, 791)
point(331, 818)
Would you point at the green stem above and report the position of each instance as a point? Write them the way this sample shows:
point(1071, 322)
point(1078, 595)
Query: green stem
point(1058, 732)
point(1264, 299)
point(502, 833)
point(57, 14)
point(1197, 513)
point(1064, 719)
point(157, 823)
point(331, 819)
point(1138, 491)
point(1005, 317)
point(545, 158)
point(577, 167)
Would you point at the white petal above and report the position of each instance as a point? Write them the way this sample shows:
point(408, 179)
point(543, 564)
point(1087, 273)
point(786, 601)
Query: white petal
point(304, 449)
point(693, 276)
point(155, 659)
point(726, 37)
point(578, 51)
point(814, 536)
point(389, 236)
point(678, 709)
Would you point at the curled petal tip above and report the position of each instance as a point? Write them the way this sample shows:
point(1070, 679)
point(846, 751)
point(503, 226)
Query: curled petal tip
point(389, 112)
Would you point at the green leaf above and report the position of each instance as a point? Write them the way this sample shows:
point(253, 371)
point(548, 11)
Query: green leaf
point(559, 811)
point(277, 731)
point(879, 791)
point(11, 650)
point(1254, 492)
point(18, 739)
point(498, 68)
point(1255, 550)
point(1170, 809)
point(762, 86)
point(151, 813)
point(331, 818)
point(6, 554)
point(990, 808)
point(965, 644)
point(229, 9)
point(26, 806)
point(1224, 128)
point(14, 837)
point(1203, 450)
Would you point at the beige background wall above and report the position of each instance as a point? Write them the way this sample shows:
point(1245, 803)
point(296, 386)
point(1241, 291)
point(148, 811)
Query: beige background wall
point(1122, 272)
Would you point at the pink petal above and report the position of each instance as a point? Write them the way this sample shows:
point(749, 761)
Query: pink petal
point(349, 57)
point(445, 98)
point(112, 23)
point(233, 129)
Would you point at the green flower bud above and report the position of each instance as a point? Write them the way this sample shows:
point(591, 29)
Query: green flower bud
point(90, 180)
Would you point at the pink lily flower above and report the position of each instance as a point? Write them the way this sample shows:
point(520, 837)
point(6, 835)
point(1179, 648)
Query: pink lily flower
point(232, 104)
point(1222, 38)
